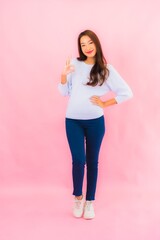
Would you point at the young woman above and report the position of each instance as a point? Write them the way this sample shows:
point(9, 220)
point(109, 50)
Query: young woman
point(85, 80)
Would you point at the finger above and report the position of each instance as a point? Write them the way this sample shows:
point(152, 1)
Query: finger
point(72, 68)
point(68, 61)
point(94, 98)
point(94, 101)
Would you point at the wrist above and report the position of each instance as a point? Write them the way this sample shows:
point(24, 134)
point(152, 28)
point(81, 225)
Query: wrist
point(63, 78)
point(110, 102)
point(103, 105)
point(63, 74)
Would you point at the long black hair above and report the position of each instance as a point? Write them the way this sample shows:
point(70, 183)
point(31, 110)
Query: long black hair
point(99, 70)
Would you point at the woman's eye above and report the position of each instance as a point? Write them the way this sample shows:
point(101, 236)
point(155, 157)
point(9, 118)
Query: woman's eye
point(90, 42)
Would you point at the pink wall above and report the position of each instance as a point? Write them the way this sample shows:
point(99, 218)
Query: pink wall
point(36, 38)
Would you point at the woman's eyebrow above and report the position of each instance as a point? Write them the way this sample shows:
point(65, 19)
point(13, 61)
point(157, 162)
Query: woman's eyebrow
point(87, 42)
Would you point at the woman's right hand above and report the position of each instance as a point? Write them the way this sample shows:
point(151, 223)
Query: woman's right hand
point(68, 68)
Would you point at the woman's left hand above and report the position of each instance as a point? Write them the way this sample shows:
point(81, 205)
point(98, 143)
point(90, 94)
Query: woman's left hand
point(97, 101)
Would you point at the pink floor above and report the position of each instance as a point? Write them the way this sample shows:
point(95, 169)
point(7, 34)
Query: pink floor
point(36, 213)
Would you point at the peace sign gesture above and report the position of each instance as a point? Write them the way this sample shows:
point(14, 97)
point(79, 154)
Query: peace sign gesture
point(68, 67)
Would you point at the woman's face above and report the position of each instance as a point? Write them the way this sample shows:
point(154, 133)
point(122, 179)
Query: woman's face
point(88, 47)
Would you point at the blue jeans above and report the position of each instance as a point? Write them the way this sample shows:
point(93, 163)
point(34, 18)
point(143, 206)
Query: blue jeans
point(85, 138)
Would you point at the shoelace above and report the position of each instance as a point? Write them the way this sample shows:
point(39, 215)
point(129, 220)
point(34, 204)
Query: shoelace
point(88, 205)
point(78, 203)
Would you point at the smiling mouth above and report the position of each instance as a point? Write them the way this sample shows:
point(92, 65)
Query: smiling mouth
point(89, 52)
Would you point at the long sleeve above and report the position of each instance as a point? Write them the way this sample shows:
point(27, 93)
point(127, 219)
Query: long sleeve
point(117, 85)
point(79, 105)
point(65, 89)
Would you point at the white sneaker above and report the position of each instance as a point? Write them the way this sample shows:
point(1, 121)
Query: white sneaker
point(78, 207)
point(89, 210)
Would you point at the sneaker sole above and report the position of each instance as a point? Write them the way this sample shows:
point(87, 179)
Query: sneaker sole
point(89, 218)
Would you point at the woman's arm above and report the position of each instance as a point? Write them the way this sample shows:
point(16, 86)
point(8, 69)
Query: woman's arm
point(65, 85)
point(97, 101)
point(117, 85)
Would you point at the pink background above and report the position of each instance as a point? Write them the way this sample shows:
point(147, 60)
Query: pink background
point(36, 37)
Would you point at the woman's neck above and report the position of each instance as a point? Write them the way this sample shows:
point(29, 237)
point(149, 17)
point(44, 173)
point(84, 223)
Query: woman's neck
point(90, 60)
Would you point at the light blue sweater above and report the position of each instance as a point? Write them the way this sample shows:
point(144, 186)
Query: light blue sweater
point(79, 105)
